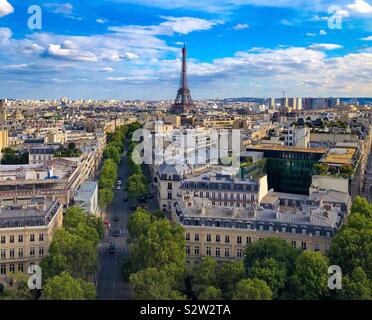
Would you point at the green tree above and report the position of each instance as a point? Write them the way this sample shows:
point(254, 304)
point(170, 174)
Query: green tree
point(62, 287)
point(362, 206)
point(352, 246)
point(138, 224)
point(252, 289)
point(357, 286)
point(112, 152)
point(137, 186)
point(274, 248)
point(228, 275)
point(204, 275)
point(152, 284)
point(17, 289)
point(272, 272)
point(321, 169)
point(211, 293)
point(77, 254)
point(105, 197)
point(156, 243)
point(310, 277)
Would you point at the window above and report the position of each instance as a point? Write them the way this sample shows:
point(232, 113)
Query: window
point(227, 239)
point(20, 253)
point(12, 267)
point(170, 196)
point(11, 239)
point(239, 240)
point(41, 251)
point(249, 240)
point(20, 238)
point(170, 186)
point(196, 236)
point(2, 254)
point(218, 239)
point(188, 250)
point(317, 247)
point(3, 269)
point(2, 239)
point(304, 245)
point(11, 253)
point(32, 251)
point(227, 252)
point(197, 250)
point(218, 252)
point(41, 237)
point(209, 238)
point(293, 243)
point(32, 237)
point(208, 251)
point(20, 267)
point(239, 253)
point(201, 194)
point(187, 236)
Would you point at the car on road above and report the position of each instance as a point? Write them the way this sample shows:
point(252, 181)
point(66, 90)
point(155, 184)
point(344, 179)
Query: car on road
point(119, 182)
point(118, 188)
point(112, 249)
point(116, 219)
point(116, 233)
point(133, 208)
point(125, 199)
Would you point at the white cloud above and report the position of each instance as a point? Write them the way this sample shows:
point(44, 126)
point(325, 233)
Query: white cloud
point(367, 38)
point(63, 8)
point(5, 8)
point(323, 32)
point(186, 25)
point(108, 70)
point(56, 51)
point(325, 46)
point(129, 56)
point(101, 21)
point(309, 34)
point(241, 26)
point(5, 33)
point(360, 6)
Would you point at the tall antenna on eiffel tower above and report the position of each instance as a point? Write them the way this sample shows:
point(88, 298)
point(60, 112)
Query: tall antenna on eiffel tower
point(183, 103)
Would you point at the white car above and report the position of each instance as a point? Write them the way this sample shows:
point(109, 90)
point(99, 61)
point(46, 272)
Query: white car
point(118, 188)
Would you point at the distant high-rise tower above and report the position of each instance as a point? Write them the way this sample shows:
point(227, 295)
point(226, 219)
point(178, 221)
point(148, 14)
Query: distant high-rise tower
point(183, 103)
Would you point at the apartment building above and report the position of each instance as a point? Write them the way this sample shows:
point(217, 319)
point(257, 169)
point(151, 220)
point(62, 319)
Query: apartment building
point(224, 232)
point(226, 190)
point(26, 232)
point(57, 179)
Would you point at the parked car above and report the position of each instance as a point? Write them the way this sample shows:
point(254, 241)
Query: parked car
point(116, 219)
point(118, 188)
point(116, 233)
point(112, 249)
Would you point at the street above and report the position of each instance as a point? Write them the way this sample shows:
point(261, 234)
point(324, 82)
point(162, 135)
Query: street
point(110, 284)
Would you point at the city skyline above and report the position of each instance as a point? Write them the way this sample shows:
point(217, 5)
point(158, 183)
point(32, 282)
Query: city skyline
point(132, 49)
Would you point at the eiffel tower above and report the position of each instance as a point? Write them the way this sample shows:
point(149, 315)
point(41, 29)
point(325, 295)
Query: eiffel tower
point(183, 103)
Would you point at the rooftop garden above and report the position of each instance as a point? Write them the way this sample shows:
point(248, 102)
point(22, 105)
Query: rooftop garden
point(70, 152)
point(339, 172)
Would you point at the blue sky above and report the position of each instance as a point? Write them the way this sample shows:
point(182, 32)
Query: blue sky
point(130, 49)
